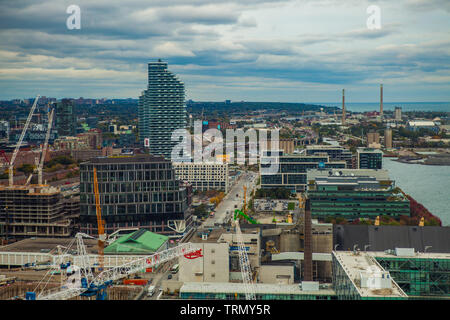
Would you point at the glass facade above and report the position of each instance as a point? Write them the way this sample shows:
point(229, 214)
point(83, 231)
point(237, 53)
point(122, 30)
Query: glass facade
point(292, 171)
point(346, 289)
point(259, 296)
point(419, 277)
point(133, 190)
point(352, 204)
point(369, 158)
point(65, 121)
point(161, 109)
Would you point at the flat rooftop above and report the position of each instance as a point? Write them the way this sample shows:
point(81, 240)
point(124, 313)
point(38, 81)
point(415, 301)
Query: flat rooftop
point(354, 264)
point(128, 159)
point(35, 245)
point(260, 288)
point(417, 255)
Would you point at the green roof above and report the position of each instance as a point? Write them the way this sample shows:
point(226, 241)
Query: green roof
point(138, 242)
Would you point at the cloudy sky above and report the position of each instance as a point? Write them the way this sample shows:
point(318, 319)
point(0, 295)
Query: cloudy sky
point(253, 50)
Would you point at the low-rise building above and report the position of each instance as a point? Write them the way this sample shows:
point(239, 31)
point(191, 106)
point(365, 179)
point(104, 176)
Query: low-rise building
point(204, 176)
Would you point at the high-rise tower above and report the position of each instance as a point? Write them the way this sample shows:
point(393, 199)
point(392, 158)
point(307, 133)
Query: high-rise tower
point(162, 109)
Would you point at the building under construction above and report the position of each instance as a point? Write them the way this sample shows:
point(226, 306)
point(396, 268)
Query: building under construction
point(35, 211)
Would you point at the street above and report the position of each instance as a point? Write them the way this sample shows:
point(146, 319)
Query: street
point(225, 209)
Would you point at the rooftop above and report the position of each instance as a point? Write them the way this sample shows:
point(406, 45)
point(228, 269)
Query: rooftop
point(140, 241)
point(361, 262)
point(260, 288)
point(128, 159)
point(44, 245)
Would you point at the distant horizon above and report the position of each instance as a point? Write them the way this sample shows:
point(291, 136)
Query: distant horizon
point(223, 100)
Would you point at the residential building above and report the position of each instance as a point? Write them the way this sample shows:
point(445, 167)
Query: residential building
point(66, 121)
point(161, 109)
point(204, 176)
point(369, 158)
point(33, 211)
point(135, 191)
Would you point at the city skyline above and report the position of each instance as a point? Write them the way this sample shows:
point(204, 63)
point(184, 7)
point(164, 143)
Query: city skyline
point(263, 50)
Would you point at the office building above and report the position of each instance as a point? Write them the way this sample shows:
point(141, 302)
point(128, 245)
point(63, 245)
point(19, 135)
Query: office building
point(66, 121)
point(354, 197)
point(336, 153)
point(369, 158)
point(358, 276)
point(292, 170)
point(161, 109)
point(419, 275)
point(263, 291)
point(204, 176)
point(139, 191)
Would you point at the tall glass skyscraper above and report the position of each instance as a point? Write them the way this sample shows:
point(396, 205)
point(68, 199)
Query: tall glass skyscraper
point(161, 109)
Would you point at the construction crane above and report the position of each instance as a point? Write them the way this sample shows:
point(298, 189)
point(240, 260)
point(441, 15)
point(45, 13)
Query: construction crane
point(19, 143)
point(84, 283)
point(244, 263)
point(44, 148)
point(100, 223)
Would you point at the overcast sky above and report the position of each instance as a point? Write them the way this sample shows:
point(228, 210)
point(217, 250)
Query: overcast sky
point(253, 50)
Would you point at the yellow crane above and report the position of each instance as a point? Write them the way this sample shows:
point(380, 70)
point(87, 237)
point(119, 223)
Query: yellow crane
point(100, 223)
point(377, 221)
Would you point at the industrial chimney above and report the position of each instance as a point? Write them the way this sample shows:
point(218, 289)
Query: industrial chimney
point(381, 100)
point(343, 106)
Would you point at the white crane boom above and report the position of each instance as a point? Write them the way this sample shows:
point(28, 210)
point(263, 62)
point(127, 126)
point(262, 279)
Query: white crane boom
point(44, 148)
point(114, 273)
point(245, 265)
point(19, 143)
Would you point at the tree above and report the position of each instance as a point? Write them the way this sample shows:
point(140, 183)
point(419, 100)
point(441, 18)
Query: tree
point(26, 168)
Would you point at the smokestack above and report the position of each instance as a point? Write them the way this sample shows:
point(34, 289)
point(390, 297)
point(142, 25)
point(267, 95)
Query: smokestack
point(343, 106)
point(381, 100)
point(307, 255)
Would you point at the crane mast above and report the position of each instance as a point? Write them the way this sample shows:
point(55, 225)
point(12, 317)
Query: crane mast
point(44, 148)
point(19, 143)
point(100, 223)
point(246, 271)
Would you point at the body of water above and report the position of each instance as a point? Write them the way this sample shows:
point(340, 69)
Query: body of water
point(406, 106)
point(428, 185)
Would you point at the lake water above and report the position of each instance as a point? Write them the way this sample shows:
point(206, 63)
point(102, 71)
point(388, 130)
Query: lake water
point(406, 106)
point(428, 185)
